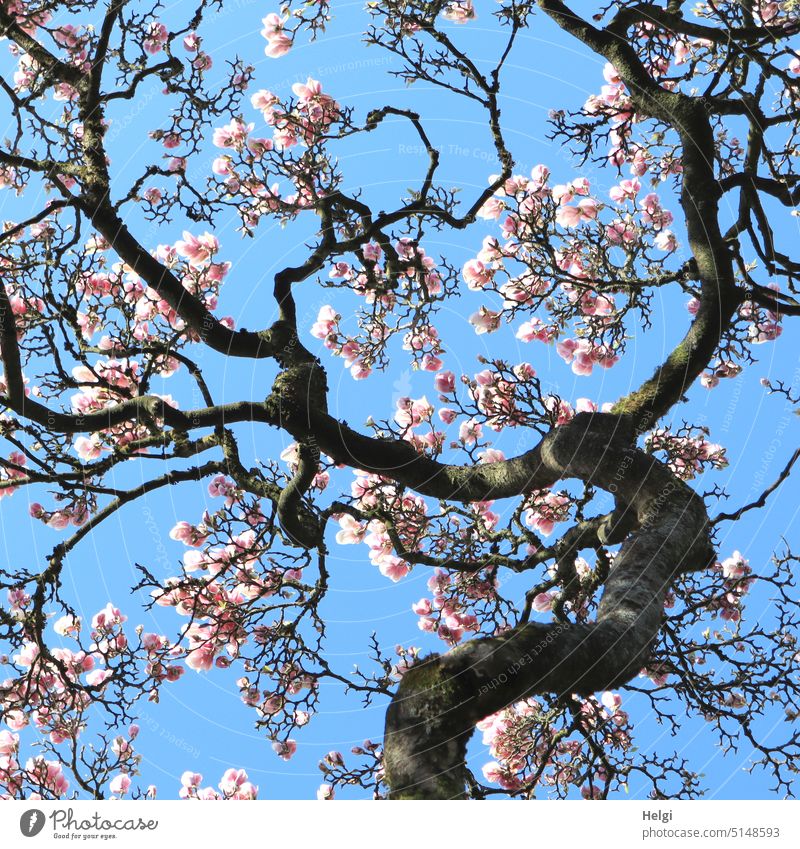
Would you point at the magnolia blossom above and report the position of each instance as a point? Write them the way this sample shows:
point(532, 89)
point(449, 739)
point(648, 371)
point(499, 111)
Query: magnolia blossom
point(445, 382)
point(234, 784)
point(583, 355)
point(278, 42)
point(233, 135)
point(67, 626)
point(485, 320)
point(120, 784)
point(735, 566)
point(284, 749)
point(476, 274)
point(666, 240)
point(543, 602)
point(157, 35)
point(197, 249)
point(535, 328)
point(459, 11)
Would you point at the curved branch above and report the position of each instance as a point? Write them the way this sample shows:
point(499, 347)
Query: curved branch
point(236, 343)
point(437, 704)
point(700, 193)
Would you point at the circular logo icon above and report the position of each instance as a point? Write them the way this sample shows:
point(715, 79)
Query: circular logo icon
point(32, 822)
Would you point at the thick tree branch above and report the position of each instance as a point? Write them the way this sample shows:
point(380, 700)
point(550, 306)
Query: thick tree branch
point(438, 702)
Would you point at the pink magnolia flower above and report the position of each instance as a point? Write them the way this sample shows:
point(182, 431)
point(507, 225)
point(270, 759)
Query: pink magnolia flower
point(157, 35)
point(492, 209)
point(284, 749)
point(234, 784)
point(589, 208)
point(188, 534)
point(325, 324)
point(67, 625)
point(611, 700)
point(120, 784)
point(535, 329)
point(197, 249)
point(445, 382)
point(190, 782)
point(476, 274)
point(233, 135)
point(568, 216)
point(108, 618)
point(16, 720)
point(626, 190)
point(620, 232)
point(735, 566)
point(278, 42)
point(352, 531)
point(97, 677)
point(393, 567)
point(485, 320)
point(459, 11)
point(540, 174)
point(666, 240)
point(543, 602)
point(89, 448)
point(9, 743)
point(423, 607)
point(310, 90)
point(470, 432)
point(430, 362)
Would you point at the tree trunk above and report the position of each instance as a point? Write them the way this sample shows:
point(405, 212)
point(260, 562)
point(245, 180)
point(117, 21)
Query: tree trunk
point(438, 702)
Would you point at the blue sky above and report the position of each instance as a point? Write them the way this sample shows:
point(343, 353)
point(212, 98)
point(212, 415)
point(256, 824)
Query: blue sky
point(200, 723)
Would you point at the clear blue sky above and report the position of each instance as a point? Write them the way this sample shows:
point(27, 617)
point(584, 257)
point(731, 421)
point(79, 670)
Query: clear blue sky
point(201, 724)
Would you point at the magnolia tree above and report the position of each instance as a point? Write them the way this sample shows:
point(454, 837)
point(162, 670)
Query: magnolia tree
point(695, 125)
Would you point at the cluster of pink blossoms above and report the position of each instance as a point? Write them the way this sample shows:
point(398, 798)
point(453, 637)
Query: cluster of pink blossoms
point(736, 572)
point(686, 455)
point(408, 512)
point(45, 775)
point(227, 580)
point(308, 118)
point(279, 43)
point(445, 614)
point(303, 121)
point(614, 102)
point(381, 550)
point(529, 202)
point(545, 509)
point(54, 695)
point(326, 327)
point(234, 785)
point(8, 472)
point(191, 259)
point(416, 271)
point(525, 744)
point(583, 355)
